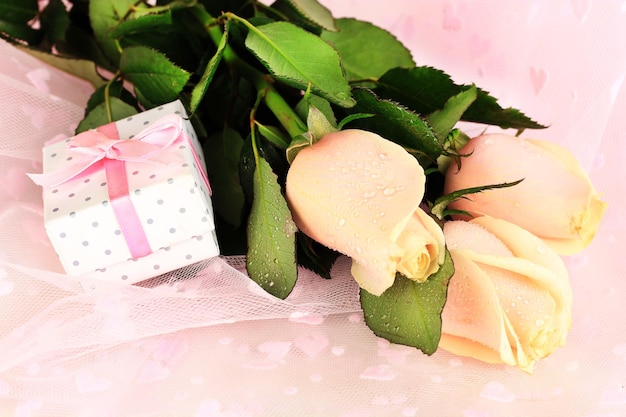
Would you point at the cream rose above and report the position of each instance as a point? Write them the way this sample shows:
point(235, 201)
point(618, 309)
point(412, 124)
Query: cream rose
point(556, 201)
point(509, 300)
point(359, 194)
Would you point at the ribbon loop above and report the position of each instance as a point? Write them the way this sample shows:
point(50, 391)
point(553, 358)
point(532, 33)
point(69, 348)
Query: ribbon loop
point(92, 146)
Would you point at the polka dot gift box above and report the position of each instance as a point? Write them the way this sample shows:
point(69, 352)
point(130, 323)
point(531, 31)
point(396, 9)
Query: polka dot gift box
point(130, 200)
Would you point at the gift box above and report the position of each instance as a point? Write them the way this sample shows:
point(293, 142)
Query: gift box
point(130, 200)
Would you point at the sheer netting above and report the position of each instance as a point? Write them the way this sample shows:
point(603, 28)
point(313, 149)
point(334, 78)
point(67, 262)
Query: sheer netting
point(206, 341)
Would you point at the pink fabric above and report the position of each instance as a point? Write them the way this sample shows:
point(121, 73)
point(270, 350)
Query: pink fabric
point(208, 342)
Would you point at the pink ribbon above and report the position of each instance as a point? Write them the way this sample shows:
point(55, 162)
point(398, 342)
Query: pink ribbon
point(102, 149)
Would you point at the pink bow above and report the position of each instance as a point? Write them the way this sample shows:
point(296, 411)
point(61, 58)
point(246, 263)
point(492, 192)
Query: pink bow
point(92, 146)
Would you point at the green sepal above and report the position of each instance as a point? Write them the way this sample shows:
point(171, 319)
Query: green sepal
point(309, 99)
point(439, 207)
point(318, 125)
point(297, 144)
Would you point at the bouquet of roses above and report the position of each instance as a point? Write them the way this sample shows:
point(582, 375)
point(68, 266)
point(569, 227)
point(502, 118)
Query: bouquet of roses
point(324, 137)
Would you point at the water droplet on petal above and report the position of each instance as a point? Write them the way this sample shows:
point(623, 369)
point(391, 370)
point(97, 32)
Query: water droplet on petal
point(389, 191)
point(369, 194)
point(341, 222)
point(383, 156)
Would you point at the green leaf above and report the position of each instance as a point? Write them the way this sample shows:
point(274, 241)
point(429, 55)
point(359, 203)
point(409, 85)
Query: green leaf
point(367, 51)
point(297, 58)
point(55, 21)
point(396, 123)
point(315, 257)
point(105, 15)
point(198, 92)
point(274, 135)
point(142, 23)
point(271, 258)
point(99, 115)
point(223, 150)
point(20, 31)
point(155, 78)
point(309, 14)
point(426, 89)
point(80, 44)
point(443, 121)
point(172, 5)
point(116, 89)
point(18, 11)
point(80, 68)
point(409, 313)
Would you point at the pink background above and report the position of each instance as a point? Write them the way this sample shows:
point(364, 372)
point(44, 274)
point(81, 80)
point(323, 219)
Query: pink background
point(213, 345)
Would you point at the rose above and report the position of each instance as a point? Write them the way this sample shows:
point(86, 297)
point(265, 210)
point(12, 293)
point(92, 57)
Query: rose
point(556, 200)
point(509, 300)
point(359, 194)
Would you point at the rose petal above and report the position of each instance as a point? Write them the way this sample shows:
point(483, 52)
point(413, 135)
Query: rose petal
point(354, 192)
point(472, 320)
point(517, 275)
point(556, 201)
point(422, 240)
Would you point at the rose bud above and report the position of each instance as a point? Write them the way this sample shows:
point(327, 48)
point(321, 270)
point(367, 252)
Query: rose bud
point(509, 300)
point(555, 201)
point(359, 194)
